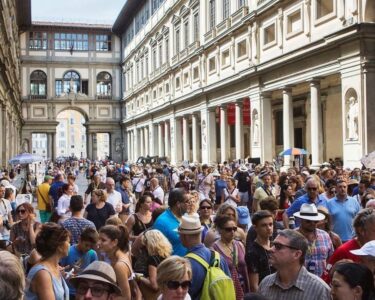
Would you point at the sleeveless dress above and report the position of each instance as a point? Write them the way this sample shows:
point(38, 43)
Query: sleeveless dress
point(237, 268)
point(60, 288)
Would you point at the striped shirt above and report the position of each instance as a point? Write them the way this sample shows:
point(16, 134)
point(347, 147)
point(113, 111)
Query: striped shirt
point(307, 286)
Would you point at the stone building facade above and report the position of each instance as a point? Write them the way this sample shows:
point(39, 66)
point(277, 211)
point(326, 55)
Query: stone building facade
point(15, 16)
point(299, 71)
point(71, 67)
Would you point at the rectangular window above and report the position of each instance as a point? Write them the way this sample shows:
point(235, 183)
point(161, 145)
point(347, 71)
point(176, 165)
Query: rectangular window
point(146, 65)
point(279, 134)
point(241, 48)
point(167, 88)
point(294, 22)
point(186, 78)
point(58, 87)
point(38, 40)
point(103, 42)
point(212, 12)
point(225, 58)
point(241, 3)
point(160, 53)
point(196, 26)
point(85, 87)
point(177, 40)
point(71, 41)
point(212, 64)
point(269, 34)
point(196, 73)
point(323, 8)
point(186, 34)
point(154, 57)
point(226, 9)
point(177, 83)
point(167, 50)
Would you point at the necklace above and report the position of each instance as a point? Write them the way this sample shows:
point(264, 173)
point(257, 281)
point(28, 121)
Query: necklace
point(232, 251)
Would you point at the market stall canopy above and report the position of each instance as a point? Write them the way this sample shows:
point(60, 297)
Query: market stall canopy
point(293, 151)
point(25, 158)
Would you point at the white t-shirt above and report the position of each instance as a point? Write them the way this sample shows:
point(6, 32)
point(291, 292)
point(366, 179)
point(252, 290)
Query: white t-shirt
point(62, 206)
point(115, 199)
point(159, 193)
point(138, 183)
point(5, 209)
point(229, 200)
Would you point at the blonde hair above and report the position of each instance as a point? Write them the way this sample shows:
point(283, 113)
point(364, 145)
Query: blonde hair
point(102, 195)
point(173, 268)
point(156, 243)
point(114, 221)
point(12, 283)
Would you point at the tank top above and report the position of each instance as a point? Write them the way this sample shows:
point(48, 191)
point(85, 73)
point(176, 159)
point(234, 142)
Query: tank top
point(60, 287)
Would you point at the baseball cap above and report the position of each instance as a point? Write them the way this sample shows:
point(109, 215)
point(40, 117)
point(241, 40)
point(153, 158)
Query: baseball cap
point(367, 249)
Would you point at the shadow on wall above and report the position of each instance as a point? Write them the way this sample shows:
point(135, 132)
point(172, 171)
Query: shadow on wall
point(369, 11)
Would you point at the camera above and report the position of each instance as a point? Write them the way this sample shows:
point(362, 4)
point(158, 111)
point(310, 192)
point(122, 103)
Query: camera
point(6, 224)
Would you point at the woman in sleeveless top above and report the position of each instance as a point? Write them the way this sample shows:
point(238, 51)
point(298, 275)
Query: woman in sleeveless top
point(230, 193)
point(114, 241)
point(234, 253)
point(44, 281)
point(141, 220)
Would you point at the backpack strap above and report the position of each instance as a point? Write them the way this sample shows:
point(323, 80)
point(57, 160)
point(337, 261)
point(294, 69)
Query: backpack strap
point(214, 259)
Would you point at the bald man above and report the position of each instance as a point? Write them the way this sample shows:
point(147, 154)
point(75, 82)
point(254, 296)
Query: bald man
point(114, 197)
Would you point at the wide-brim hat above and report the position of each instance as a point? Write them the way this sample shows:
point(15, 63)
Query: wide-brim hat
point(309, 212)
point(243, 168)
point(98, 271)
point(263, 173)
point(216, 173)
point(353, 181)
point(190, 225)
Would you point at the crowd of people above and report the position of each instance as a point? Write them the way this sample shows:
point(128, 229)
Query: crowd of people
point(226, 231)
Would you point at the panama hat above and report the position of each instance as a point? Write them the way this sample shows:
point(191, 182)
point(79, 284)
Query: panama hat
point(309, 212)
point(98, 271)
point(190, 225)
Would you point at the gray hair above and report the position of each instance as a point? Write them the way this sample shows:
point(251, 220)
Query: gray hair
point(12, 278)
point(296, 241)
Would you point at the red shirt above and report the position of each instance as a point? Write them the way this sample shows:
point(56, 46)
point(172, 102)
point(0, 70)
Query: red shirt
point(342, 252)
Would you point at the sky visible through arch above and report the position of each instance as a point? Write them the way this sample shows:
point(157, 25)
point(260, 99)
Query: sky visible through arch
point(77, 11)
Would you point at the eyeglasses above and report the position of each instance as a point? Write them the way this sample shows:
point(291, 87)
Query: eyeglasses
point(205, 207)
point(21, 211)
point(312, 189)
point(279, 246)
point(96, 291)
point(174, 285)
point(230, 229)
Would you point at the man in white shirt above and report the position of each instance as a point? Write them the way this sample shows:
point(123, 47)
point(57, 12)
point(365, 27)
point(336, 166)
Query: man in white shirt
point(138, 184)
point(156, 190)
point(114, 197)
point(5, 215)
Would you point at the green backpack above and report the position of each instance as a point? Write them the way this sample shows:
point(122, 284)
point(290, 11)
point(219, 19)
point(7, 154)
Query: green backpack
point(217, 285)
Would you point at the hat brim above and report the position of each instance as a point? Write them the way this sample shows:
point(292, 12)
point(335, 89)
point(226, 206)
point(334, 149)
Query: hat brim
point(74, 281)
point(319, 217)
point(360, 252)
point(244, 221)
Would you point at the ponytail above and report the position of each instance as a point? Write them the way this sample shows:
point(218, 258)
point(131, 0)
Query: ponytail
point(120, 233)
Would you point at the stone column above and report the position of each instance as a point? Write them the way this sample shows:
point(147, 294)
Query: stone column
point(266, 127)
point(49, 146)
point(128, 147)
point(186, 141)
point(135, 144)
point(151, 139)
point(53, 138)
point(167, 140)
point(239, 130)
point(141, 139)
point(195, 137)
point(316, 125)
point(2, 137)
point(94, 146)
point(224, 143)
point(146, 137)
point(211, 138)
point(160, 140)
point(288, 128)
point(178, 139)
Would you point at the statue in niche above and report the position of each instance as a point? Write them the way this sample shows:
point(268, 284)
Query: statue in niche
point(204, 136)
point(71, 86)
point(255, 127)
point(352, 119)
point(25, 146)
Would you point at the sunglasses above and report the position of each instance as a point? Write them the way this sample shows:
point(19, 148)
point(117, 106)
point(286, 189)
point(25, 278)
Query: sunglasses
point(96, 291)
point(21, 211)
point(312, 189)
point(174, 285)
point(279, 246)
point(230, 229)
point(205, 207)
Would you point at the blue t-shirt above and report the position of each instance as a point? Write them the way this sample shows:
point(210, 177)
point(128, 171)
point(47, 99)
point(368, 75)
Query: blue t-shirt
point(199, 272)
point(343, 213)
point(76, 257)
point(168, 224)
point(54, 191)
point(220, 185)
point(124, 194)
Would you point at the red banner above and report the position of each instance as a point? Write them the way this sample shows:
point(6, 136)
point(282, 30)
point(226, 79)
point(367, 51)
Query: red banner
point(231, 112)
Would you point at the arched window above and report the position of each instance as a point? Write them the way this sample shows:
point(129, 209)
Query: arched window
point(104, 84)
point(72, 80)
point(38, 84)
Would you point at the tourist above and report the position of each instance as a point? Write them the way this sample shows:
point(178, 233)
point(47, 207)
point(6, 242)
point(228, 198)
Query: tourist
point(285, 200)
point(352, 282)
point(169, 221)
point(24, 232)
point(230, 194)
point(258, 252)
point(292, 281)
point(64, 201)
point(205, 214)
point(367, 255)
point(46, 282)
point(174, 278)
point(113, 197)
point(141, 220)
point(99, 210)
point(243, 184)
point(327, 227)
point(125, 189)
point(157, 190)
point(96, 282)
point(44, 204)
point(55, 189)
point(12, 277)
point(72, 181)
point(205, 182)
point(95, 184)
point(233, 252)
point(6, 220)
point(264, 191)
point(76, 223)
